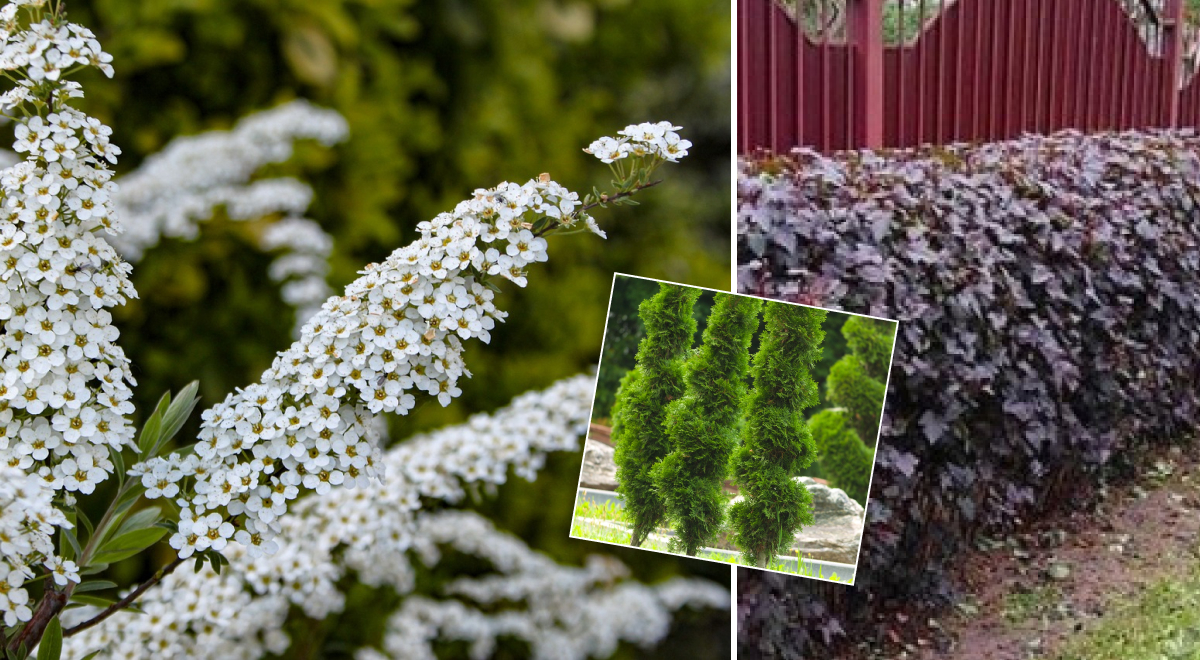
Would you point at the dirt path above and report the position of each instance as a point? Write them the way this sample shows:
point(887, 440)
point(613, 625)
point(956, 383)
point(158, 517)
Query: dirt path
point(1035, 589)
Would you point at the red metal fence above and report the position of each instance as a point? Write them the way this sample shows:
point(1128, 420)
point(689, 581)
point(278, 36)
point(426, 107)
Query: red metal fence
point(842, 74)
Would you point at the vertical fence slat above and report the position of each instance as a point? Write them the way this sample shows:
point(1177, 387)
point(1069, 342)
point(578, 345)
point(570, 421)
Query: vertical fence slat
point(976, 70)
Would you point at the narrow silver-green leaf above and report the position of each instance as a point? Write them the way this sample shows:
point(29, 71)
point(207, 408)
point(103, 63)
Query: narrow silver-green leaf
point(50, 648)
point(177, 414)
point(94, 585)
point(152, 429)
point(142, 519)
point(129, 544)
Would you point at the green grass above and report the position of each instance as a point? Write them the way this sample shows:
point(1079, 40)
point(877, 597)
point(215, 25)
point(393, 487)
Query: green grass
point(1161, 623)
point(610, 512)
point(1020, 606)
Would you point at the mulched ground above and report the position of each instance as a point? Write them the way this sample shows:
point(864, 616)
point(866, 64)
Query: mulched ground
point(1036, 588)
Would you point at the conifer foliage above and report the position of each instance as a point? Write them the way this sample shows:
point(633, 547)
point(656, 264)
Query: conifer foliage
point(857, 381)
point(845, 460)
point(776, 441)
point(856, 385)
point(702, 426)
point(642, 399)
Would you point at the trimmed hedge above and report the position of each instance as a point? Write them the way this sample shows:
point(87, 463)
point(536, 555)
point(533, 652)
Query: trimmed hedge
point(1048, 293)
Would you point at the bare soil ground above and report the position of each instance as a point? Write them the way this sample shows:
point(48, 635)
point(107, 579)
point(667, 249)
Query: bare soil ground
point(1033, 590)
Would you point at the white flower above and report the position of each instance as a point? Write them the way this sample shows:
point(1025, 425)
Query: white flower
point(656, 140)
point(63, 571)
point(61, 366)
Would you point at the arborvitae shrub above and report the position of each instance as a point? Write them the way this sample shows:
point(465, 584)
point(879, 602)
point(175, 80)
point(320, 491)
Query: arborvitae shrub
point(702, 426)
point(850, 388)
point(642, 399)
point(857, 382)
point(776, 441)
point(871, 341)
point(845, 460)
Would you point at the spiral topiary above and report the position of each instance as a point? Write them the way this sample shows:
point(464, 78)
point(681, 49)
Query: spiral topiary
point(702, 426)
point(776, 441)
point(642, 399)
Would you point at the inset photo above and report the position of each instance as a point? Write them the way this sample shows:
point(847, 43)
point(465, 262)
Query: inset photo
point(734, 429)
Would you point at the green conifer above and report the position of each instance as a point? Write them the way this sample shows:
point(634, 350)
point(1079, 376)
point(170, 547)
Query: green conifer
point(642, 399)
point(702, 426)
point(776, 440)
point(845, 460)
point(856, 385)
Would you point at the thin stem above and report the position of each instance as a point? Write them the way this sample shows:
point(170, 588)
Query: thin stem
point(126, 601)
point(605, 200)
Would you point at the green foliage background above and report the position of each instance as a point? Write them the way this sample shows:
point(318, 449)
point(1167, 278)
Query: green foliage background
point(441, 97)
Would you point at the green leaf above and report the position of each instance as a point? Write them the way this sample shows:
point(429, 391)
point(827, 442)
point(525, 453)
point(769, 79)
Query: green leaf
point(83, 519)
point(152, 429)
point(94, 585)
point(177, 414)
point(119, 464)
point(142, 519)
point(50, 647)
point(96, 601)
point(129, 544)
point(129, 497)
point(73, 543)
point(93, 569)
point(91, 655)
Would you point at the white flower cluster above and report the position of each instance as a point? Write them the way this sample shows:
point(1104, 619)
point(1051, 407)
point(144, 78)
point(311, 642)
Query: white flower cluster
point(42, 51)
point(27, 522)
point(303, 265)
point(369, 531)
point(397, 331)
point(569, 613)
point(179, 187)
point(654, 140)
point(64, 382)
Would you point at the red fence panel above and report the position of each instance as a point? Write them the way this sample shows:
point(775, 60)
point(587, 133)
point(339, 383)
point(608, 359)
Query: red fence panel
point(975, 70)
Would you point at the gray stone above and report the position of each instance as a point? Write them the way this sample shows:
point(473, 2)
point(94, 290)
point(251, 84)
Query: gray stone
point(599, 469)
point(1059, 571)
point(836, 530)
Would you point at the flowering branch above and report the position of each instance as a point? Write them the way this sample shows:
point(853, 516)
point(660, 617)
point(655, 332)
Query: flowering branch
point(371, 532)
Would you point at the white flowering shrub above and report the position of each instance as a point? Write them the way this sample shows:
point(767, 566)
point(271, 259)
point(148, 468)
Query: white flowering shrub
point(375, 531)
point(172, 192)
point(234, 499)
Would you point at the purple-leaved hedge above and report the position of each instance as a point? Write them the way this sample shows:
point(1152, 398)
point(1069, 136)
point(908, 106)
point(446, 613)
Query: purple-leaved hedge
point(1048, 293)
